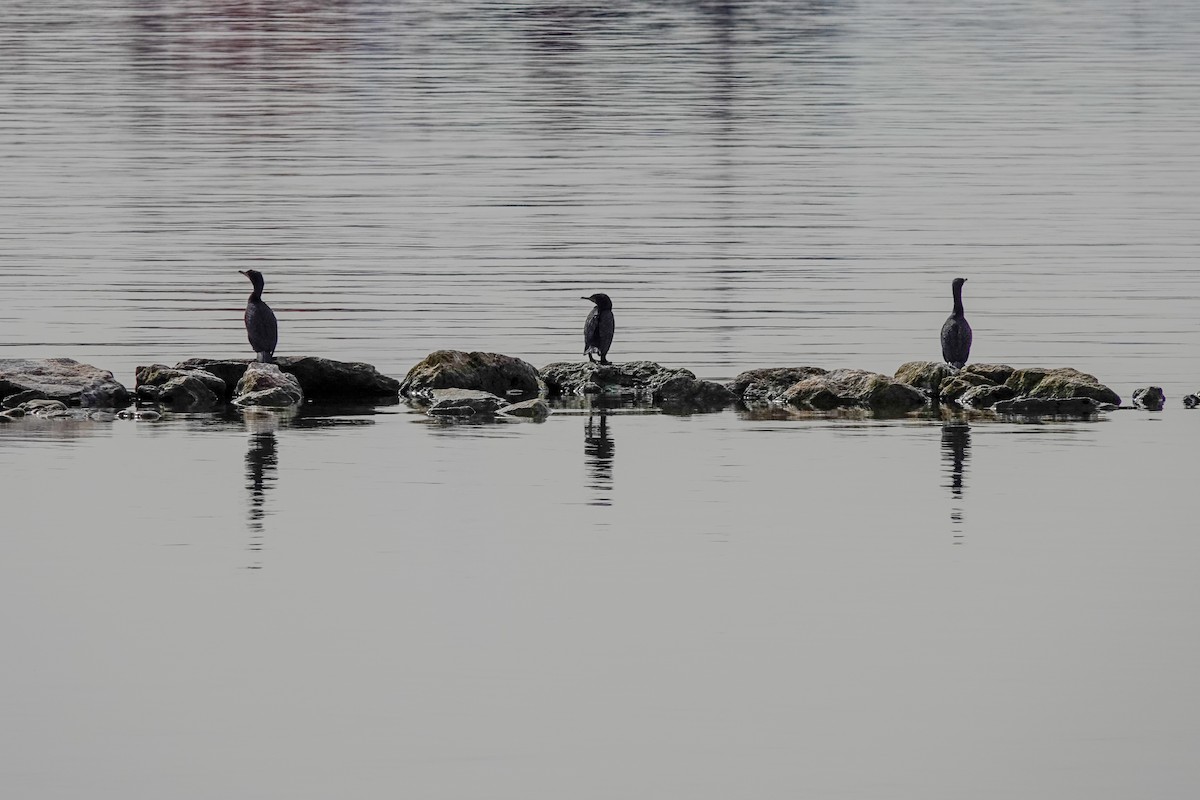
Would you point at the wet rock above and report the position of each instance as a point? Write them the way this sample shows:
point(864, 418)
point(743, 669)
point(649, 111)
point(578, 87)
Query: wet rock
point(320, 378)
point(229, 371)
point(925, 375)
point(986, 395)
point(463, 403)
point(485, 372)
point(992, 373)
point(1150, 398)
point(639, 381)
point(15, 400)
point(324, 378)
point(60, 379)
point(1049, 406)
point(1191, 401)
point(181, 389)
point(530, 409)
point(43, 408)
point(1060, 384)
point(267, 385)
point(854, 388)
point(954, 387)
point(769, 384)
point(12, 413)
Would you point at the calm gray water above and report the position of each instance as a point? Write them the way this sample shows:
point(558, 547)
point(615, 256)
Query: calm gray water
point(366, 603)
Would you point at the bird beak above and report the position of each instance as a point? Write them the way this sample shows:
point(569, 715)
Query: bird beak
point(585, 298)
point(241, 272)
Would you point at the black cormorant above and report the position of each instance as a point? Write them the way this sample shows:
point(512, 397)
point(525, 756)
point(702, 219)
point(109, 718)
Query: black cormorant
point(956, 333)
point(261, 328)
point(598, 330)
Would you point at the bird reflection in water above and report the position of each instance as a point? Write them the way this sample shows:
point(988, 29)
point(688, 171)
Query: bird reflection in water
point(598, 448)
point(956, 442)
point(261, 465)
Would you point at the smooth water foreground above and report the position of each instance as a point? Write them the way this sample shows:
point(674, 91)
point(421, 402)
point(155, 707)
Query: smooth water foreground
point(367, 602)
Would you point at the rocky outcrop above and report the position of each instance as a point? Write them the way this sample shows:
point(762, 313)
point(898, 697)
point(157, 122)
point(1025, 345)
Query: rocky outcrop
point(1150, 398)
point(62, 379)
point(850, 388)
point(189, 389)
point(984, 386)
point(768, 385)
point(267, 385)
point(637, 381)
point(486, 372)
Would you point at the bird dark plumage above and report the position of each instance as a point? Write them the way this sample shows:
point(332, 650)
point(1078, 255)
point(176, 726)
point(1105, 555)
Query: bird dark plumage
point(599, 328)
point(956, 333)
point(261, 327)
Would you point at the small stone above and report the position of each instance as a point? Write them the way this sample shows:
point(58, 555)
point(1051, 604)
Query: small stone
point(532, 409)
point(267, 385)
point(13, 413)
point(1150, 398)
point(43, 408)
point(15, 400)
point(148, 415)
point(925, 375)
point(1191, 401)
point(986, 396)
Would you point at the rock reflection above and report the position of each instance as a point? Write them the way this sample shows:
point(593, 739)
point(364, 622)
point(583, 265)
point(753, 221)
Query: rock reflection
point(262, 462)
point(956, 444)
point(598, 447)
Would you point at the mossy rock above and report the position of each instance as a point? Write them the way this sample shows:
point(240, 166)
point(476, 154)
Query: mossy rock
point(993, 373)
point(926, 375)
point(845, 388)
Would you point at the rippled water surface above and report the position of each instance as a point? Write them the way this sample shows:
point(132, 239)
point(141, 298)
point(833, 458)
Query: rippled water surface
point(365, 602)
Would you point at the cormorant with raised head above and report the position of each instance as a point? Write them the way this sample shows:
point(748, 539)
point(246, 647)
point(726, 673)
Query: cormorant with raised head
point(261, 328)
point(956, 333)
point(599, 328)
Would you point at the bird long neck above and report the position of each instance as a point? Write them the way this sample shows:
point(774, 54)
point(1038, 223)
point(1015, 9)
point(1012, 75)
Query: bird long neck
point(958, 306)
point(256, 295)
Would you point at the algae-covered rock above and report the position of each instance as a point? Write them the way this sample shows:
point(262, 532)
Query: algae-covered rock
point(1060, 384)
point(62, 379)
point(1150, 398)
point(854, 387)
point(1049, 406)
point(267, 385)
point(925, 375)
point(639, 381)
point(769, 384)
point(486, 372)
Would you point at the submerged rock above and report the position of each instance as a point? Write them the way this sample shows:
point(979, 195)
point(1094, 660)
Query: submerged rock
point(1150, 398)
point(1049, 406)
point(530, 409)
point(639, 381)
point(1060, 384)
point(486, 372)
point(61, 379)
point(15, 400)
point(463, 403)
point(267, 385)
point(854, 388)
point(768, 385)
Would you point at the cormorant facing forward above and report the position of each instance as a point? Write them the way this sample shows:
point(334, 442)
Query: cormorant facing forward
point(261, 328)
point(956, 333)
point(598, 330)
